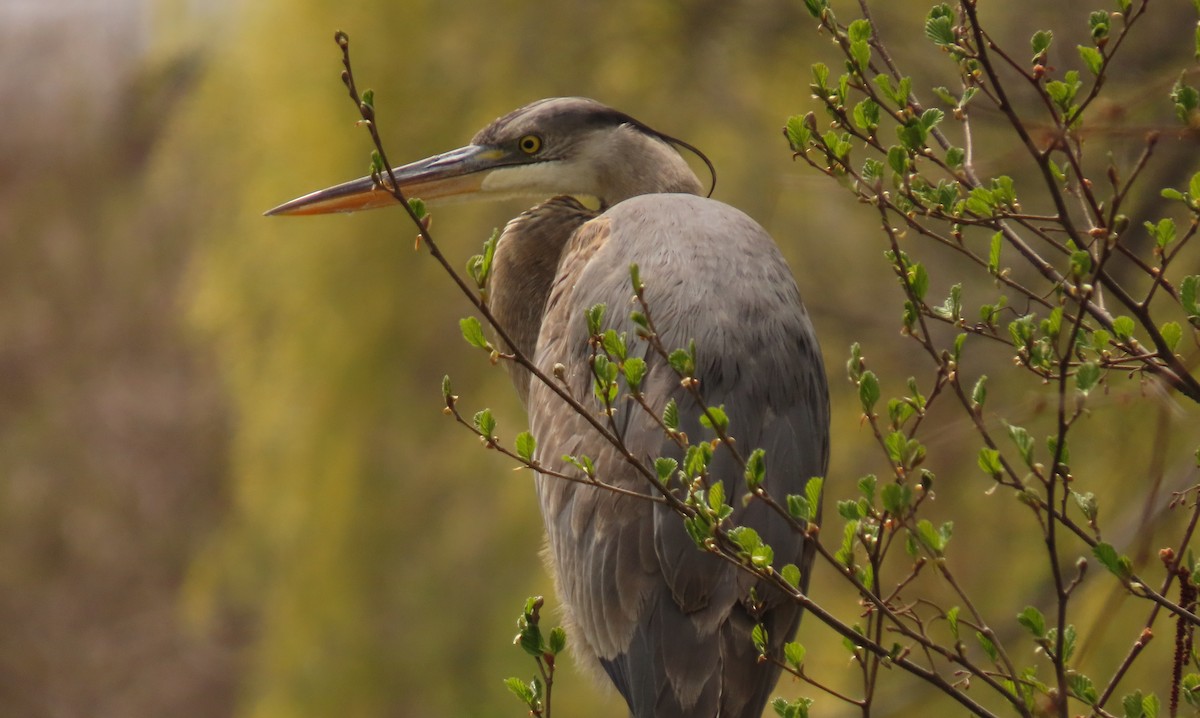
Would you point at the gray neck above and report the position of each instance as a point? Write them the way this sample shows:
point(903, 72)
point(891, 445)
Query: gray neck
point(523, 271)
point(631, 163)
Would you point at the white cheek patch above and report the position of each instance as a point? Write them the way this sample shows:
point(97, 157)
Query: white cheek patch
point(541, 178)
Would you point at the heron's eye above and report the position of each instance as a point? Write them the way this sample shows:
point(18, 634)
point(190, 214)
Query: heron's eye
point(530, 144)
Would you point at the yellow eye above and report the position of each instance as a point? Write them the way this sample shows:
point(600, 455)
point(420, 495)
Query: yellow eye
point(530, 144)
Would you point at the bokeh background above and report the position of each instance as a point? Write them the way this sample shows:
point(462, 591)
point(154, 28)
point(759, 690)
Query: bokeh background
point(226, 486)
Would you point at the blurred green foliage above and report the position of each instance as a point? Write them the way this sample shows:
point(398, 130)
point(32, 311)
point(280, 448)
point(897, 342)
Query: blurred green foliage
point(382, 554)
point(236, 420)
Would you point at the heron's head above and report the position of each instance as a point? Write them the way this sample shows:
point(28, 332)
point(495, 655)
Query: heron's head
point(559, 146)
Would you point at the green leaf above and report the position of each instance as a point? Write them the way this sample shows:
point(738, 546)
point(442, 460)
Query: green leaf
point(1053, 323)
point(479, 266)
point(665, 467)
point(1189, 292)
point(799, 707)
point(849, 510)
point(898, 159)
point(981, 201)
point(912, 134)
point(1040, 42)
point(1032, 619)
point(1062, 92)
point(746, 538)
point(1163, 232)
point(934, 539)
point(1080, 263)
point(959, 340)
point(1092, 58)
point(940, 30)
point(604, 375)
point(868, 391)
point(1086, 503)
point(855, 364)
point(683, 362)
point(1171, 333)
point(979, 393)
point(820, 73)
point(1123, 328)
point(518, 688)
point(614, 344)
point(1186, 100)
point(485, 423)
point(838, 145)
point(756, 469)
point(716, 497)
point(715, 419)
point(918, 280)
point(988, 646)
point(447, 393)
point(866, 487)
point(989, 462)
point(816, 7)
point(1099, 23)
point(994, 253)
point(1190, 689)
point(866, 115)
point(794, 653)
point(952, 620)
point(812, 491)
point(418, 208)
point(1132, 704)
point(791, 574)
point(955, 156)
point(898, 93)
point(581, 462)
point(526, 445)
point(1087, 376)
point(799, 507)
point(896, 498)
point(872, 170)
point(859, 33)
point(530, 639)
point(1082, 688)
point(1150, 706)
point(1119, 565)
point(1069, 636)
point(670, 417)
point(595, 319)
point(931, 118)
point(634, 369)
point(558, 640)
point(472, 331)
point(758, 635)
point(695, 461)
point(1021, 330)
point(798, 134)
point(845, 554)
point(1024, 442)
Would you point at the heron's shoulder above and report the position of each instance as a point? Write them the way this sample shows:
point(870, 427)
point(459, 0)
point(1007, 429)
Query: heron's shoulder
point(687, 217)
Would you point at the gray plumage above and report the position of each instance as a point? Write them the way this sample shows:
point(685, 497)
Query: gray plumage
point(668, 623)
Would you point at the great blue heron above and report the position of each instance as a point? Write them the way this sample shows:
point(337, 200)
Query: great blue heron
point(668, 623)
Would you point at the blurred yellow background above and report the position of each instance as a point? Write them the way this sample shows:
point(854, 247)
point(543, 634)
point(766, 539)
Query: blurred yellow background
point(226, 485)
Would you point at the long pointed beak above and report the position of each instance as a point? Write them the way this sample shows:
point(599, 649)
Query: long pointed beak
point(451, 174)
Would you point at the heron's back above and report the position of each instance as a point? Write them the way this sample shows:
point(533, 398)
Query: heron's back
point(667, 621)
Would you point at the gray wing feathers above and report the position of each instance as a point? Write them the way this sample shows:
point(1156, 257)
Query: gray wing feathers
point(667, 619)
